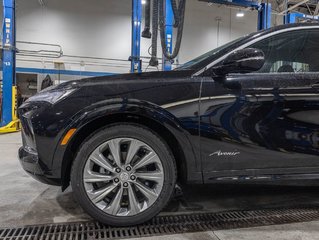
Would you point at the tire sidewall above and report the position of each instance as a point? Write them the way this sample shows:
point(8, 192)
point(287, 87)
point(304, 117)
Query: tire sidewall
point(122, 131)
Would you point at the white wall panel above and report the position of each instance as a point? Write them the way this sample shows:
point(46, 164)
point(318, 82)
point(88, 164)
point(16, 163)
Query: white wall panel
point(102, 28)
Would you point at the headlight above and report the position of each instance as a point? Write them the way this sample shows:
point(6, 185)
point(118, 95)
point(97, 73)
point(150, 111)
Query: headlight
point(52, 96)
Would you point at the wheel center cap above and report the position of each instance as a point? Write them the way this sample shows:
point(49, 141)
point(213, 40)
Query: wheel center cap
point(124, 176)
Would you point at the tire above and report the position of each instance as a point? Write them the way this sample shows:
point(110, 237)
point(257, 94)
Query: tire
point(140, 199)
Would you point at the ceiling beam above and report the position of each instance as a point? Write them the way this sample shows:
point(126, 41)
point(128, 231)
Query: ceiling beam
point(294, 6)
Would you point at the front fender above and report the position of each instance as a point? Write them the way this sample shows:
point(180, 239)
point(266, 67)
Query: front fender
point(138, 108)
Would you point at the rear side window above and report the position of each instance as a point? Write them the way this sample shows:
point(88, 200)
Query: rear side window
point(294, 51)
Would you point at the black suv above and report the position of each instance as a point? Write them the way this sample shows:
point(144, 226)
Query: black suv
point(246, 111)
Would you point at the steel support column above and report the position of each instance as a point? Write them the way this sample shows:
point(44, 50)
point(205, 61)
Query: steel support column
point(264, 16)
point(169, 16)
point(136, 63)
point(8, 62)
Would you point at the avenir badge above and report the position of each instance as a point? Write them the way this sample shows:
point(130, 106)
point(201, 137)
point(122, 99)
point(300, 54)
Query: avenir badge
point(219, 153)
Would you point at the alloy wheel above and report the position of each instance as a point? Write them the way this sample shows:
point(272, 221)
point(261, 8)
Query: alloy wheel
point(123, 177)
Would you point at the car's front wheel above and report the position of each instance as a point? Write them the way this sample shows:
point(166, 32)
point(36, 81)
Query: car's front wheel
point(123, 175)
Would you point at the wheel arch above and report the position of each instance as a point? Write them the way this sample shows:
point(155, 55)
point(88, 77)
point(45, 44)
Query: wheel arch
point(165, 131)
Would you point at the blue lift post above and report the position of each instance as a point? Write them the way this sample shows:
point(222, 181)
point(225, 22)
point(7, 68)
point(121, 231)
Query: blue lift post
point(136, 63)
point(9, 121)
point(264, 16)
point(169, 16)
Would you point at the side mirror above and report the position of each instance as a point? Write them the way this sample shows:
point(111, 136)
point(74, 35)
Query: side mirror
point(242, 61)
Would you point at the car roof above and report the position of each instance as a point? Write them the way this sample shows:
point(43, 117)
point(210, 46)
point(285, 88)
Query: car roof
point(288, 26)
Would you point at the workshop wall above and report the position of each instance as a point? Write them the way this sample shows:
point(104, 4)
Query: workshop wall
point(90, 31)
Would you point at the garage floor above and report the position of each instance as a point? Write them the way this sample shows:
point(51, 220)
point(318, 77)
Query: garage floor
point(24, 201)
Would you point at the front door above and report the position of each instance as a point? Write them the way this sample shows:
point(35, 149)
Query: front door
point(270, 124)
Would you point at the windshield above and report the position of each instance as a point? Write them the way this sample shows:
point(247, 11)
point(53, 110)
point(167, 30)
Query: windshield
point(206, 58)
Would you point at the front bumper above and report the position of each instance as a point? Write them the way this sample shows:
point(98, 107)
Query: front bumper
point(30, 163)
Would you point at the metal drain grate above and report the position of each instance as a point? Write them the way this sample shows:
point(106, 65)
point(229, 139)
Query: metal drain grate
point(162, 225)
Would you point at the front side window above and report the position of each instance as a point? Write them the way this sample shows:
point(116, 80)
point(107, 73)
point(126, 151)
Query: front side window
point(205, 59)
point(284, 66)
point(290, 52)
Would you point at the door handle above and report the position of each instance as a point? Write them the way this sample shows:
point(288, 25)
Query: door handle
point(316, 85)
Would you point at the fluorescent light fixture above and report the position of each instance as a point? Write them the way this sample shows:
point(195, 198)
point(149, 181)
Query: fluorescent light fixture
point(143, 1)
point(240, 14)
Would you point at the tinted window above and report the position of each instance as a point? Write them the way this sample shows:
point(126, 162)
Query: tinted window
point(295, 51)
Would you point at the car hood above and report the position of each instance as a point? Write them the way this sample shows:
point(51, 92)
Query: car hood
point(159, 88)
point(126, 78)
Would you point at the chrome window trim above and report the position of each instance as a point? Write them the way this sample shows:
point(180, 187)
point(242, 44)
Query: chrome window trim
point(257, 39)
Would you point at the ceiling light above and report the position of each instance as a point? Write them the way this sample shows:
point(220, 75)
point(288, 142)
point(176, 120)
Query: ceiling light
point(143, 2)
point(240, 14)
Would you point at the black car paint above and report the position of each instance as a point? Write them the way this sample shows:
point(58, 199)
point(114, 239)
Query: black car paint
point(258, 123)
point(106, 97)
point(200, 112)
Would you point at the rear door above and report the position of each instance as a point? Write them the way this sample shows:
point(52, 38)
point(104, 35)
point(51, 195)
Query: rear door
point(271, 124)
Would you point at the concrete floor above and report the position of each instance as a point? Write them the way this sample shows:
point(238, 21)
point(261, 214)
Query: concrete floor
point(24, 201)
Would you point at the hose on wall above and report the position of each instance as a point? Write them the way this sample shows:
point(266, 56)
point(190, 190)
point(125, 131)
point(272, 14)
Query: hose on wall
point(154, 60)
point(159, 23)
point(147, 28)
point(176, 13)
point(179, 18)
